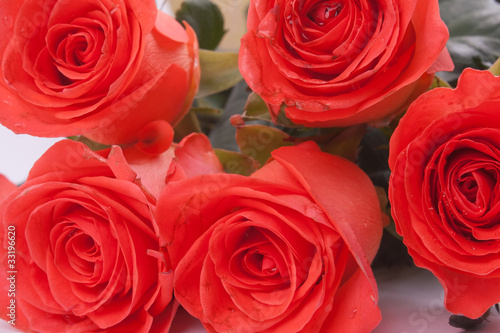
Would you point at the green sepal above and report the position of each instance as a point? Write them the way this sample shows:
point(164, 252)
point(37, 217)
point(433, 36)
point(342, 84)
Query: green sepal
point(189, 124)
point(438, 82)
point(257, 109)
point(495, 68)
point(236, 163)
point(346, 143)
point(219, 72)
point(258, 141)
point(206, 20)
point(94, 146)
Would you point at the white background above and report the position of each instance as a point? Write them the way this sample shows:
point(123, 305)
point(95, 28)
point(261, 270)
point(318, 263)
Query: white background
point(411, 299)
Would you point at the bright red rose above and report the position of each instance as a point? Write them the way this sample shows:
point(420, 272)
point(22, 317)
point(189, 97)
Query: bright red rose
point(287, 249)
point(87, 256)
point(104, 69)
point(445, 185)
point(339, 63)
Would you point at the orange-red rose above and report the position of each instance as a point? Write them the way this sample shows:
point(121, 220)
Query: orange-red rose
point(104, 69)
point(342, 62)
point(445, 189)
point(284, 250)
point(86, 247)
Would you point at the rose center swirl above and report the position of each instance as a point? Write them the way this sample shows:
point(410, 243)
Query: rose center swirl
point(468, 189)
point(324, 11)
point(260, 264)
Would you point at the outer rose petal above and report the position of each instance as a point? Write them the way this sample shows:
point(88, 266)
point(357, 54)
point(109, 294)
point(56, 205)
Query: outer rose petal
point(324, 172)
point(195, 156)
point(190, 157)
point(448, 134)
point(473, 88)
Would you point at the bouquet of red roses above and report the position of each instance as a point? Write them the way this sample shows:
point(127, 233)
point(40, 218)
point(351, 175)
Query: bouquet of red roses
point(254, 189)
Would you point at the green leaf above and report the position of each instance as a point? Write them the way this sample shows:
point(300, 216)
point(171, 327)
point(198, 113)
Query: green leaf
point(283, 120)
point(203, 110)
point(189, 124)
point(219, 72)
point(223, 134)
point(207, 117)
point(206, 20)
point(256, 107)
point(94, 146)
point(439, 83)
point(237, 163)
point(495, 68)
point(258, 141)
point(346, 143)
point(474, 34)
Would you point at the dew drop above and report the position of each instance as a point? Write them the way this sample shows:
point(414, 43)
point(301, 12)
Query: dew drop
point(8, 21)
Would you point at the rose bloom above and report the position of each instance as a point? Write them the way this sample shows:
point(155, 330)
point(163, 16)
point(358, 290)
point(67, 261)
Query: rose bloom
point(339, 63)
point(445, 162)
point(87, 252)
point(103, 69)
point(287, 249)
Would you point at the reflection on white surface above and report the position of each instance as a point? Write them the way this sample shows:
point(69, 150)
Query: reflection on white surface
point(412, 301)
point(19, 152)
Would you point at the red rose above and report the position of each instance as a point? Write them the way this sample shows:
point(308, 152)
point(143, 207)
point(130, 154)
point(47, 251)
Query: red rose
point(86, 252)
point(284, 250)
point(445, 185)
point(104, 69)
point(339, 63)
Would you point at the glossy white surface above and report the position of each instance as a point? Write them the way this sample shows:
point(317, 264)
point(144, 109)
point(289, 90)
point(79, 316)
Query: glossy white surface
point(19, 152)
